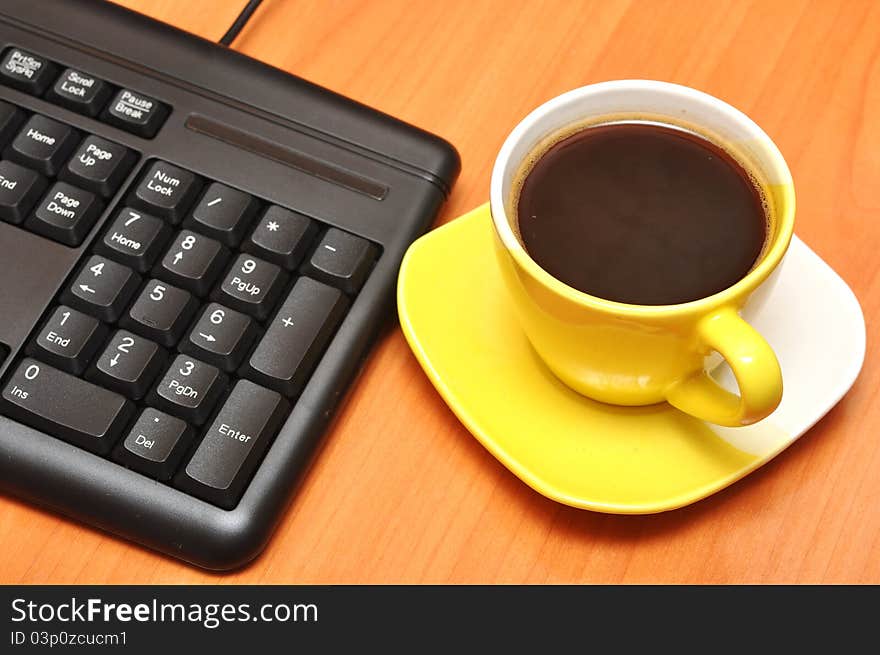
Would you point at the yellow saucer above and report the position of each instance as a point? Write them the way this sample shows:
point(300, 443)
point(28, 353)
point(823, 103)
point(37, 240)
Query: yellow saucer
point(459, 323)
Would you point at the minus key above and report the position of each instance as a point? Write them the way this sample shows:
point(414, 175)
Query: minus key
point(342, 260)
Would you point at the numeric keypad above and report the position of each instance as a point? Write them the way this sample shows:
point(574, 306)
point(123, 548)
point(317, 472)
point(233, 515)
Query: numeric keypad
point(195, 338)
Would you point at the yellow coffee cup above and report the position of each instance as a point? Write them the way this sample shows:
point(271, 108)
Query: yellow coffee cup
point(644, 354)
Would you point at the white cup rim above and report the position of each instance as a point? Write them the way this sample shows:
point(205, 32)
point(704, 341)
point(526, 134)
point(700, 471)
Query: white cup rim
point(686, 95)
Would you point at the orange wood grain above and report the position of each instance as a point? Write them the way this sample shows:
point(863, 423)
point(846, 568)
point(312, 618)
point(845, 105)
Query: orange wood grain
point(401, 492)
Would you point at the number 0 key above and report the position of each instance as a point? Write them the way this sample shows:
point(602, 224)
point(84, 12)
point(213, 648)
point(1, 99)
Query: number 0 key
point(60, 404)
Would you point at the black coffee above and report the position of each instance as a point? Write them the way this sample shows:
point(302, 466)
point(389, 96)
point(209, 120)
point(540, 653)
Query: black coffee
point(641, 214)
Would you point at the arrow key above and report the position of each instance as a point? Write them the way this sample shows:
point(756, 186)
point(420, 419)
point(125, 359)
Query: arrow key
point(193, 262)
point(129, 364)
point(221, 337)
point(102, 288)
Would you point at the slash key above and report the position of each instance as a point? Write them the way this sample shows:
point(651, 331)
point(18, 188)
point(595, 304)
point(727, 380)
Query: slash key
point(223, 213)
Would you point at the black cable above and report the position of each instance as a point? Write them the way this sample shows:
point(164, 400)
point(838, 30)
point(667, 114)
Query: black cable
point(240, 22)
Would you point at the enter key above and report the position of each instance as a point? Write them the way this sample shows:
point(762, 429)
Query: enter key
point(234, 445)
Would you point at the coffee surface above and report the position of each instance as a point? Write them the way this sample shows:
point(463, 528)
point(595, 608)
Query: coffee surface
point(642, 214)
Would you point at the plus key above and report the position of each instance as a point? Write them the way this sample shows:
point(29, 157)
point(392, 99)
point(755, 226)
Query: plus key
point(295, 340)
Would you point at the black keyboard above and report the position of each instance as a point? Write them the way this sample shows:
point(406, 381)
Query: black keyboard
point(197, 251)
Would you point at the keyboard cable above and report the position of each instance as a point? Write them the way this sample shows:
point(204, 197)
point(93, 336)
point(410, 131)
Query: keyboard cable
point(240, 22)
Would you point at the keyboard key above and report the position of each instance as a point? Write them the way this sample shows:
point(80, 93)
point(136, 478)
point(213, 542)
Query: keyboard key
point(68, 340)
point(221, 337)
point(234, 445)
point(11, 118)
point(282, 237)
point(102, 288)
point(136, 113)
point(66, 214)
point(26, 71)
point(251, 286)
point(166, 191)
point(223, 213)
point(297, 337)
point(99, 165)
point(190, 389)
point(42, 144)
point(135, 239)
point(155, 445)
point(81, 92)
point(342, 260)
point(20, 188)
point(60, 404)
point(129, 365)
point(193, 262)
point(161, 313)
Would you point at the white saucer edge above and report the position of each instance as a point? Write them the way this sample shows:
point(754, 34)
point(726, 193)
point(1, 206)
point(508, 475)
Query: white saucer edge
point(815, 324)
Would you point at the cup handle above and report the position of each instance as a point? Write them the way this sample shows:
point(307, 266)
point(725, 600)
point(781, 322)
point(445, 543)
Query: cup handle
point(753, 364)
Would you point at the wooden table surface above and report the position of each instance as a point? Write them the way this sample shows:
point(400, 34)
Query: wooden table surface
point(402, 492)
